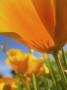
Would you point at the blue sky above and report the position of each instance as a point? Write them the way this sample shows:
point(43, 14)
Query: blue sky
point(4, 68)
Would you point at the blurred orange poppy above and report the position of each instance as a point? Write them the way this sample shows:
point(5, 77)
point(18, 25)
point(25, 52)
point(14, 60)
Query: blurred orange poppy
point(39, 24)
point(7, 84)
point(25, 64)
point(17, 60)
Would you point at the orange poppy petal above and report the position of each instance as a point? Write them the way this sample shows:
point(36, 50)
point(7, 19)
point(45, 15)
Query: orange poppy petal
point(46, 12)
point(29, 21)
point(61, 27)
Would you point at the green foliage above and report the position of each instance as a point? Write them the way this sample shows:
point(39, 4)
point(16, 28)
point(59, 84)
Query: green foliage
point(1, 75)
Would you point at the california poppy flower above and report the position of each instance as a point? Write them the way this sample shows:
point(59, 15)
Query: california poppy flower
point(17, 60)
point(7, 84)
point(25, 64)
point(39, 24)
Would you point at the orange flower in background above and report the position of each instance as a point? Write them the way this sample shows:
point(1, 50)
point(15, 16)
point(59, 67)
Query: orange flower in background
point(39, 24)
point(25, 64)
point(7, 84)
point(17, 60)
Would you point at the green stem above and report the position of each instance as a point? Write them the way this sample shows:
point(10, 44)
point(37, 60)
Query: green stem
point(50, 70)
point(64, 60)
point(34, 81)
point(61, 71)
